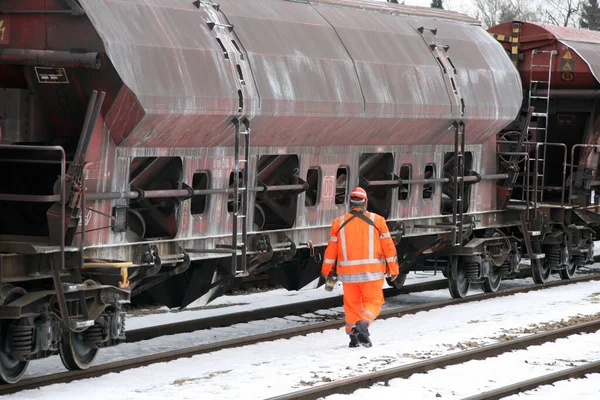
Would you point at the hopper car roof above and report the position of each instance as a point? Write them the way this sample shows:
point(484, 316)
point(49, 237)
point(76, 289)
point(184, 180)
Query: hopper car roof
point(312, 73)
point(576, 64)
point(394, 8)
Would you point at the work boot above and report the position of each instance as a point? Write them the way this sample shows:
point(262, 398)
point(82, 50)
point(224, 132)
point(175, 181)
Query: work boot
point(361, 330)
point(353, 341)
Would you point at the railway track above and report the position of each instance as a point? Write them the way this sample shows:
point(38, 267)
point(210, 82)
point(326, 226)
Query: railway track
point(285, 310)
point(271, 336)
point(350, 385)
point(152, 332)
point(523, 386)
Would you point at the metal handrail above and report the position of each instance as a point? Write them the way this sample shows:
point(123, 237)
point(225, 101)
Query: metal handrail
point(593, 146)
point(562, 192)
point(525, 189)
point(82, 208)
point(62, 303)
point(537, 147)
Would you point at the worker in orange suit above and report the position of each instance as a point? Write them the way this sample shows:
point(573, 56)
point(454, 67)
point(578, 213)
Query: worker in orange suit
point(361, 244)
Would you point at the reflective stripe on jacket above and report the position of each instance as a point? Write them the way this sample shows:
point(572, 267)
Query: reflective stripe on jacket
point(360, 249)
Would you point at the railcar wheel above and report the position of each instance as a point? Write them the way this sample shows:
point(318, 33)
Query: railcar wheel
point(457, 280)
point(491, 284)
point(569, 270)
point(540, 271)
point(399, 282)
point(75, 353)
point(11, 369)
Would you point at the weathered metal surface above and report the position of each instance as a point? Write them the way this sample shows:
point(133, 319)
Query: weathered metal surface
point(312, 77)
point(315, 76)
point(21, 117)
point(50, 58)
point(402, 84)
point(589, 52)
point(575, 72)
point(576, 64)
point(584, 42)
point(373, 5)
point(324, 73)
point(213, 226)
point(165, 54)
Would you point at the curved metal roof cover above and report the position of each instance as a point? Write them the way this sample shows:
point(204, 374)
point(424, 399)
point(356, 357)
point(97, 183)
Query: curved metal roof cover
point(393, 8)
point(307, 83)
point(584, 42)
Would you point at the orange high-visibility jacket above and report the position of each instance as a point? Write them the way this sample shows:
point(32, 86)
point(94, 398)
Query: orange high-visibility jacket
point(361, 250)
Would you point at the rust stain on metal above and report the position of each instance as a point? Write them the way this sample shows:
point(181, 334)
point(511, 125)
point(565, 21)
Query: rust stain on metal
point(322, 73)
point(576, 64)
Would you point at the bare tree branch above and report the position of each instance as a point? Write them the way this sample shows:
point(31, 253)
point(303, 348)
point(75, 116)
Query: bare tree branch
point(561, 12)
point(553, 20)
point(492, 12)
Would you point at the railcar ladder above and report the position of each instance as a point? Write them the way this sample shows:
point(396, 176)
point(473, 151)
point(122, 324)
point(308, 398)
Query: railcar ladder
point(240, 211)
point(458, 182)
point(539, 132)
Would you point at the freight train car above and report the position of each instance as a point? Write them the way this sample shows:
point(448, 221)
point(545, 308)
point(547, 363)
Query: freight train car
point(560, 71)
point(167, 147)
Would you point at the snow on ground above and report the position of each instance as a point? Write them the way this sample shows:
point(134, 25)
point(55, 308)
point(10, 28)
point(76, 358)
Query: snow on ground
point(587, 388)
point(474, 377)
point(230, 304)
point(268, 369)
point(238, 303)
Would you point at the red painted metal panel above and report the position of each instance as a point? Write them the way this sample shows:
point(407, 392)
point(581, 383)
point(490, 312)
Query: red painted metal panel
point(576, 64)
point(125, 113)
point(576, 35)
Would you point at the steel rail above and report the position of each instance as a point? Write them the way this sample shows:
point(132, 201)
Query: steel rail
point(523, 386)
point(136, 335)
point(103, 369)
point(349, 385)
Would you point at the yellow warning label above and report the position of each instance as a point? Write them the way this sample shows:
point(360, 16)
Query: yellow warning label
point(567, 56)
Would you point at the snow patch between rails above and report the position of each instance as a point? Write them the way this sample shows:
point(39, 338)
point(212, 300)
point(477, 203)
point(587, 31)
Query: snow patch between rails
point(273, 368)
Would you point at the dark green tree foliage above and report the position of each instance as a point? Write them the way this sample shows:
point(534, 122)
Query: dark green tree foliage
point(393, 1)
point(437, 4)
point(590, 15)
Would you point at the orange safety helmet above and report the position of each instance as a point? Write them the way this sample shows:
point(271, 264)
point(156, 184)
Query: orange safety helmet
point(359, 193)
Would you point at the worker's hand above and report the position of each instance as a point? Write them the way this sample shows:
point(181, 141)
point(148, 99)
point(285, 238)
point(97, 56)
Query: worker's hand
point(393, 278)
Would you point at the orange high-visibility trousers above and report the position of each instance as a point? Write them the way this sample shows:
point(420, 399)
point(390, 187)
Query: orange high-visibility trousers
point(362, 301)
